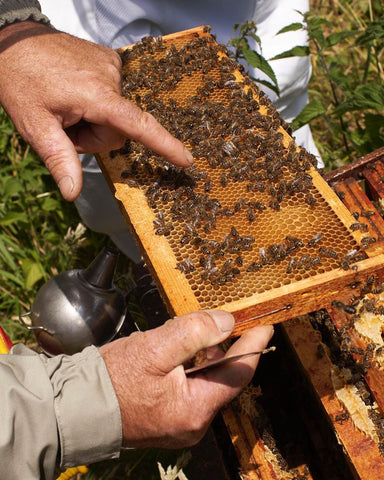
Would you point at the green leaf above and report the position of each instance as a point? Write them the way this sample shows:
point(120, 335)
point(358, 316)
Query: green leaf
point(311, 111)
point(374, 31)
point(6, 257)
point(298, 51)
point(292, 28)
point(370, 135)
point(258, 61)
point(3, 142)
point(364, 97)
point(338, 37)
point(13, 278)
point(315, 22)
point(256, 38)
point(50, 204)
point(270, 85)
point(12, 186)
point(33, 272)
point(13, 217)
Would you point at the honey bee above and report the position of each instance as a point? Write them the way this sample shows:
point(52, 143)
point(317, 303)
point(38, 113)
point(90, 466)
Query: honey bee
point(342, 306)
point(292, 264)
point(258, 205)
point(367, 241)
point(253, 267)
point(251, 215)
point(133, 183)
point(310, 199)
point(341, 417)
point(320, 351)
point(359, 226)
point(263, 256)
point(356, 350)
point(368, 285)
point(313, 262)
point(315, 239)
point(161, 227)
point(367, 213)
point(303, 261)
point(186, 266)
point(239, 204)
point(274, 205)
point(223, 180)
point(185, 239)
point(208, 186)
point(239, 260)
point(209, 263)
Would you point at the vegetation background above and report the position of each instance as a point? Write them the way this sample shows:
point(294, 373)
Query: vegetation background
point(41, 235)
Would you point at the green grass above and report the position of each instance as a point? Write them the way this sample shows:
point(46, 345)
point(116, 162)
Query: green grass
point(347, 84)
point(39, 234)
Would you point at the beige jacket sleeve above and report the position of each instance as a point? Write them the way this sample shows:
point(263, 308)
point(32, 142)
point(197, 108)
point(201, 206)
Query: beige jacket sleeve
point(59, 411)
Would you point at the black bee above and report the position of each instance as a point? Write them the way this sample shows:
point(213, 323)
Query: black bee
point(292, 264)
point(359, 226)
point(253, 267)
point(341, 417)
point(315, 239)
point(328, 252)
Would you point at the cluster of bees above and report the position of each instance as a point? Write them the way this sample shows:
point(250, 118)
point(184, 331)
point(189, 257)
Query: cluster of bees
point(246, 166)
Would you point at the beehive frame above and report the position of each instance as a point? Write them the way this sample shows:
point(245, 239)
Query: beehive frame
point(245, 275)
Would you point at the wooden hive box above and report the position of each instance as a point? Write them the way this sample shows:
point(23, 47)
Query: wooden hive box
point(252, 227)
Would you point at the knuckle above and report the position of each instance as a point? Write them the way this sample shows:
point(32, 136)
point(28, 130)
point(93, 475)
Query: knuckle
point(113, 72)
point(116, 140)
point(116, 59)
point(199, 323)
point(145, 121)
point(198, 424)
point(197, 427)
point(190, 428)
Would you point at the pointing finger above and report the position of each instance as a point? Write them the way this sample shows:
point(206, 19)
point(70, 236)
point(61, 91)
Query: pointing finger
point(134, 123)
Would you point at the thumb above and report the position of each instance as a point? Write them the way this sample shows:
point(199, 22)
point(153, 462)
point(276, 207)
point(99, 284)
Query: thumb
point(58, 153)
point(179, 339)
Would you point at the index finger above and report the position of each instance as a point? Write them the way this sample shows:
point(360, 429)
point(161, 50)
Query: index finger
point(134, 123)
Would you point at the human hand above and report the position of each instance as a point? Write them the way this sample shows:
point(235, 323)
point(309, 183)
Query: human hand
point(162, 407)
point(63, 95)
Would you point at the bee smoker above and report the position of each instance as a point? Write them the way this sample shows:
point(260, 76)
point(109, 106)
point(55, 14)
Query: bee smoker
point(78, 308)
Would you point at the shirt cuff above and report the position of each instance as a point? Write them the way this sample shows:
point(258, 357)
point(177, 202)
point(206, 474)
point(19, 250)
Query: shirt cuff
point(86, 407)
point(20, 11)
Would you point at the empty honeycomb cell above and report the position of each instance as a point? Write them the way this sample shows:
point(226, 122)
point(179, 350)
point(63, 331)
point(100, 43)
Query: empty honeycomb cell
point(239, 220)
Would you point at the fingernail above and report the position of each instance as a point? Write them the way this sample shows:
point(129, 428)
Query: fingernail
point(66, 185)
point(188, 156)
point(224, 320)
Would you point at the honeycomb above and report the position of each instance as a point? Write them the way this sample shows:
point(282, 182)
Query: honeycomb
point(246, 217)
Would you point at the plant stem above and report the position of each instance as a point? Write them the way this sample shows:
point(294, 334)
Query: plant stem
point(334, 93)
point(367, 63)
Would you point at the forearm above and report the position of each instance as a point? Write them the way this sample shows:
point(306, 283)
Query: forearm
point(55, 411)
point(20, 10)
